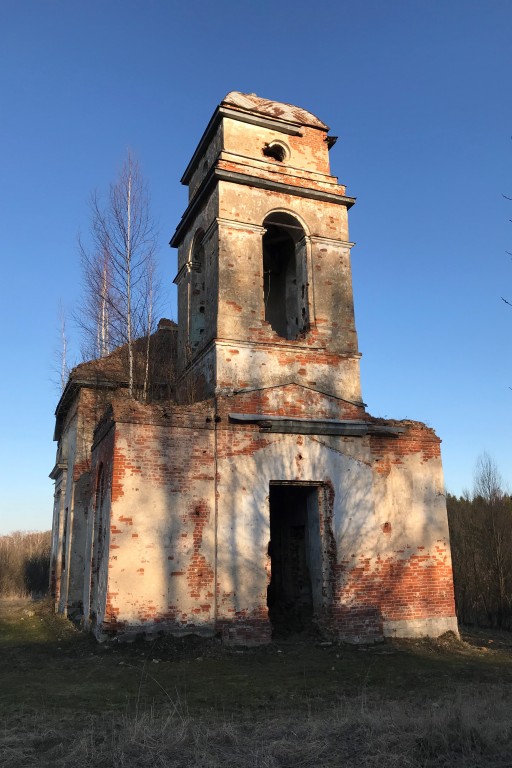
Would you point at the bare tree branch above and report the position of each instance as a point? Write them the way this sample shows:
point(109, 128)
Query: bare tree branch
point(118, 267)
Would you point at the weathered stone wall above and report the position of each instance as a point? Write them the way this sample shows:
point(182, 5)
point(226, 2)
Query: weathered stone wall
point(171, 525)
point(161, 525)
point(192, 388)
point(70, 527)
point(325, 357)
point(244, 143)
point(248, 462)
point(189, 526)
point(57, 531)
point(98, 550)
point(232, 216)
point(206, 161)
point(386, 560)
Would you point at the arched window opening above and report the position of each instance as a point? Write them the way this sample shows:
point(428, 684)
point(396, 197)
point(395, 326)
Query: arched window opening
point(277, 151)
point(197, 323)
point(285, 275)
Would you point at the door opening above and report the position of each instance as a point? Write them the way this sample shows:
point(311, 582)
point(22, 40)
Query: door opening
point(295, 558)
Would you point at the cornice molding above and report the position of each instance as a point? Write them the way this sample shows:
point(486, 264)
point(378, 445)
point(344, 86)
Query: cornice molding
point(220, 174)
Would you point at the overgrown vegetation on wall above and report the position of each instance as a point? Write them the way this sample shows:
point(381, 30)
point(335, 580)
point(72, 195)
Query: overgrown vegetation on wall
point(24, 564)
point(481, 536)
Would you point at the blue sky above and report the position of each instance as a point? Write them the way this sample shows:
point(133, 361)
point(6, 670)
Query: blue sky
point(419, 94)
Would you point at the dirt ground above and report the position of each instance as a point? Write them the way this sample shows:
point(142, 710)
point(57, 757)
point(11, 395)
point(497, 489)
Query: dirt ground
point(63, 680)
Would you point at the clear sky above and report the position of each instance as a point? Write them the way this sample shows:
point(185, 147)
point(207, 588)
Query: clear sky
point(419, 92)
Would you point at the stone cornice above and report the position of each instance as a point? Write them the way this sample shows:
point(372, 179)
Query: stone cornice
point(220, 174)
point(245, 225)
point(58, 469)
point(331, 241)
point(246, 179)
point(304, 426)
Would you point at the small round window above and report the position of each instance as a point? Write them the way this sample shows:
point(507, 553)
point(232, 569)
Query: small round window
point(277, 150)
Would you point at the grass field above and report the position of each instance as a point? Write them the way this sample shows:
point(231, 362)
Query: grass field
point(66, 700)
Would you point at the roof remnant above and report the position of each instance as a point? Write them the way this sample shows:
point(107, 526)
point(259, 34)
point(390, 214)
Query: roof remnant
point(249, 102)
point(111, 372)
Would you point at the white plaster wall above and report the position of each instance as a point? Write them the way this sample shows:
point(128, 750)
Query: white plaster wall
point(408, 500)
point(411, 498)
point(67, 521)
point(258, 366)
point(244, 481)
point(155, 563)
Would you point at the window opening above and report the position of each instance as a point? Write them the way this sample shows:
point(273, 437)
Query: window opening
point(276, 151)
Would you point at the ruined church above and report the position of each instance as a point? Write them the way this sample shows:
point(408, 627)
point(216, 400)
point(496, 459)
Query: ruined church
point(254, 495)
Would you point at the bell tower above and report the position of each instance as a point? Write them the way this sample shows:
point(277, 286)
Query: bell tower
point(264, 277)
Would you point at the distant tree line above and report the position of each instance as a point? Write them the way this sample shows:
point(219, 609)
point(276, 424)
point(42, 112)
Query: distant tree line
point(481, 542)
point(24, 564)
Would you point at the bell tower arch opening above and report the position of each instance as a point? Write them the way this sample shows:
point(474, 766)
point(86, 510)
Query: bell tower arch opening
point(285, 275)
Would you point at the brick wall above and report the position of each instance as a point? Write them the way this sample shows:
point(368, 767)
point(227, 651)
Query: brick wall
point(161, 568)
point(189, 524)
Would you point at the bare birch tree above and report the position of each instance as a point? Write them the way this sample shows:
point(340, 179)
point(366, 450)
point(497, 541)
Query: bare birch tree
point(119, 271)
point(64, 371)
point(60, 366)
point(94, 313)
point(150, 305)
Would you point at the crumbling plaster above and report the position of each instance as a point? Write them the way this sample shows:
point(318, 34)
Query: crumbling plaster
point(175, 525)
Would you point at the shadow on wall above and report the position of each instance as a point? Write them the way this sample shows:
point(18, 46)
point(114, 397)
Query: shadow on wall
point(242, 520)
point(403, 564)
point(266, 543)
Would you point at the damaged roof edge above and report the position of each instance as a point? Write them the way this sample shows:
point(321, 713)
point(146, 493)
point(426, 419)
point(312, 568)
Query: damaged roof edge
point(253, 109)
point(69, 393)
point(278, 110)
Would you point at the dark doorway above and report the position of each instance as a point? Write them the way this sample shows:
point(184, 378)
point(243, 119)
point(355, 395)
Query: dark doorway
point(295, 557)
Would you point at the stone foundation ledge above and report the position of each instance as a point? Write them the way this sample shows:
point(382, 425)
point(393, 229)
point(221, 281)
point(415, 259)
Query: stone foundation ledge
point(434, 627)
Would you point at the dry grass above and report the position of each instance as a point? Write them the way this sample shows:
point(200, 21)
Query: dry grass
point(24, 563)
point(66, 701)
point(355, 733)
